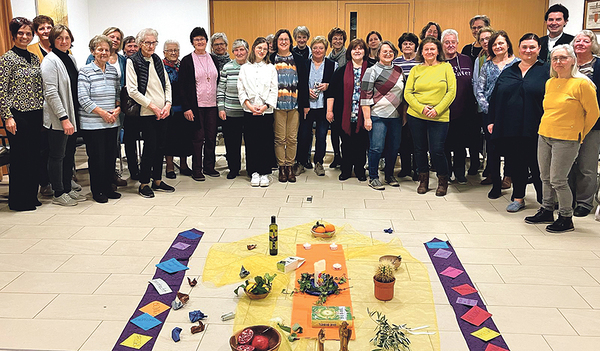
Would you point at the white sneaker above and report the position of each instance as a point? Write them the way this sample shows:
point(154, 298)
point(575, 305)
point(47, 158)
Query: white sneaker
point(77, 196)
point(255, 179)
point(64, 200)
point(264, 180)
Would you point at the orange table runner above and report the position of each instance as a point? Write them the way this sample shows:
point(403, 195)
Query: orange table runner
point(302, 304)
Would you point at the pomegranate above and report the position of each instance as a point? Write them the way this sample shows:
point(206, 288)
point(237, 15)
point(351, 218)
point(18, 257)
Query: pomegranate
point(246, 348)
point(245, 336)
point(260, 342)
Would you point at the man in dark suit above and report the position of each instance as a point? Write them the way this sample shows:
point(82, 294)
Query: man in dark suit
point(556, 18)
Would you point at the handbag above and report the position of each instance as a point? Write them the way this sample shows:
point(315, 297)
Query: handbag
point(128, 105)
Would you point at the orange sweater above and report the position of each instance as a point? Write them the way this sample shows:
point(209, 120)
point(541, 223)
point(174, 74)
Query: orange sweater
point(570, 109)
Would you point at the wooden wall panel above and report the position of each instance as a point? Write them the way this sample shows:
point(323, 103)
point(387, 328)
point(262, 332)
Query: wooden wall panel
point(528, 18)
point(453, 14)
point(389, 19)
point(243, 19)
point(318, 16)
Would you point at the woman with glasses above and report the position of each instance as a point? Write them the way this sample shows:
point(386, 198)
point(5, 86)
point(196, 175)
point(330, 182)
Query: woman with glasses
point(21, 104)
point(198, 78)
point(148, 84)
point(570, 112)
point(218, 48)
point(476, 23)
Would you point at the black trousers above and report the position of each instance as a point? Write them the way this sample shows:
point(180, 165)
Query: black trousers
point(457, 142)
point(153, 135)
point(407, 149)
point(520, 158)
point(233, 130)
point(24, 160)
point(101, 147)
point(258, 135)
point(204, 139)
point(61, 160)
point(131, 133)
point(354, 151)
point(44, 152)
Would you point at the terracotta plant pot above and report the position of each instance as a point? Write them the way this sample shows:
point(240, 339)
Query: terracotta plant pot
point(384, 291)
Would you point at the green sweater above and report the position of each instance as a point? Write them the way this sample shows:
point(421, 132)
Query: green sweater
point(227, 92)
point(430, 85)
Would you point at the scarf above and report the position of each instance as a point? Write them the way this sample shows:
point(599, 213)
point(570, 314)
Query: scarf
point(348, 90)
point(340, 57)
point(172, 69)
point(221, 60)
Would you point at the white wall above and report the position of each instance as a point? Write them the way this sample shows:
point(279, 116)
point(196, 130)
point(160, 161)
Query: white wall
point(173, 19)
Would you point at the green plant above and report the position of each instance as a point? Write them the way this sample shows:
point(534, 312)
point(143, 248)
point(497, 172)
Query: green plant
point(261, 285)
point(388, 336)
point(330, 286)
point(384, 272)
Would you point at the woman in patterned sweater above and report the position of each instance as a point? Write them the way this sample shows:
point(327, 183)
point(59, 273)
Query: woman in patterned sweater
point(21, 109)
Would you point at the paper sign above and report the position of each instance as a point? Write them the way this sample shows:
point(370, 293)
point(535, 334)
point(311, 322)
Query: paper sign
point(145, 321)
point(485, 334)
point(180, 246)
point(464, 289)
point(437, 245)
point(441, 253)
point(136, 341)
point(451, 272)
point(154, 308)
point(476, 316)
point(190, 235)
point(161, 286)
point(491, 347)
point(171, 266)
point(467, 302)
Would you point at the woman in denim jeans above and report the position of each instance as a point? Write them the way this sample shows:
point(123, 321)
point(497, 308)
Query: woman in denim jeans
point(570, 112)
point(430, 89)
point(380, 98)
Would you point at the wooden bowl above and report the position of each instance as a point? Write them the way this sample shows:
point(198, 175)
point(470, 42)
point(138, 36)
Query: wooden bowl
point(325, 235)
point(395, 260)
point(271, 333)
point(253, 296)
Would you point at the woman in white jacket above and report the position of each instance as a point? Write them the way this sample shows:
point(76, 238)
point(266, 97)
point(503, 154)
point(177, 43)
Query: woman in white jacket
point(257, 88)
point(59, 74)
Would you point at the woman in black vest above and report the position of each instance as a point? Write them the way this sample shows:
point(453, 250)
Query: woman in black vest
point(149, 86)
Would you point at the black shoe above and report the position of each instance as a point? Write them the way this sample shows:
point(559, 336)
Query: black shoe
point(37, 203)
point(100, 198)
point(185, 172)
point(415, 176)
point(581, 211)
point(461, 179)
point(135, 176)
point(162, 186)
point(561, 225)
point(337, 161)
point(113, 195)
point(232, 175)
point(495, 193)
point(361, 177)
point(308, 165)
point(391, 180)
point(403, 173)
point(542, 216)
point(118, 181)
point(171, 175)
point(473, 171)
point(199, 177)
point(344, 176)
point(212, 173)
point(145, 191)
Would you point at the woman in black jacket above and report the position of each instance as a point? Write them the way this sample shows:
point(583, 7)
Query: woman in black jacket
point(199, 103)
point(515, 112)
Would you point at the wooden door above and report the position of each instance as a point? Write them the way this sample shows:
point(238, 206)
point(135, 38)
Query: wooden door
point(390, 19)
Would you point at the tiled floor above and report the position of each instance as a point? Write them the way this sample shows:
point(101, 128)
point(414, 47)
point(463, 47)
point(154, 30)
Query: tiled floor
point(71, 277)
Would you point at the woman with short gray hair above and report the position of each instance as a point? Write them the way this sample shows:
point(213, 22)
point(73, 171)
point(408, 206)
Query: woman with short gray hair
point(218, 48)
point(230, 109)
point(301, 35)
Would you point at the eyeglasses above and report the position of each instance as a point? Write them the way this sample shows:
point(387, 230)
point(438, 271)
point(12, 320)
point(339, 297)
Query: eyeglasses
point(219, 44)
point(561, 58)
point(283, 40)
point(198, 40)
point(172, 51)
point(476, 28)
point(150, 43)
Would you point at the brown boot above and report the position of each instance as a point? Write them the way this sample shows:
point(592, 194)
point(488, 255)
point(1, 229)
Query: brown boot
point(283, 174)
point(506, 183)
point(423, 183)
point(291, 177)
point(442, 188)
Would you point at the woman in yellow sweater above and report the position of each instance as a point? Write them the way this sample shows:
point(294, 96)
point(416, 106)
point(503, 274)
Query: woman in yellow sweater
point(570, 112)
point(429, 91)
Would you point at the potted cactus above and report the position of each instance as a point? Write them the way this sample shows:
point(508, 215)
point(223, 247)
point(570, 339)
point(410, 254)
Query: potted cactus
point(384, 281)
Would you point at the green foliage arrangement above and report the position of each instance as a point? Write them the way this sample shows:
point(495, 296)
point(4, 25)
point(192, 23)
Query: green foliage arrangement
point(261, 285)
point(388, 337)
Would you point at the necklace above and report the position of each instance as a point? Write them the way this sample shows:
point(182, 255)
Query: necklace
point(205, 69)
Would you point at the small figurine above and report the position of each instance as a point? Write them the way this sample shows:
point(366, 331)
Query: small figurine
point(197, 328)
point(321, 340)
point(244, 273)
point(184, 298)
point(192, 282)
point(196, 316)
point(345, 334)
point(251, 246)
point(175, 334)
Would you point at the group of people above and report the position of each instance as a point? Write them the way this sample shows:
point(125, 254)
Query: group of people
point(422, 100)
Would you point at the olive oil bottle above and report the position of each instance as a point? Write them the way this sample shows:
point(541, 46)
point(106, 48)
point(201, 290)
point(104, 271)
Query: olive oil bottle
point(273, 234)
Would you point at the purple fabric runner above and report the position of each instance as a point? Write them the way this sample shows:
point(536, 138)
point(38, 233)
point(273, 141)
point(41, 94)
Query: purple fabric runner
point(440, 264)
point(173, 280)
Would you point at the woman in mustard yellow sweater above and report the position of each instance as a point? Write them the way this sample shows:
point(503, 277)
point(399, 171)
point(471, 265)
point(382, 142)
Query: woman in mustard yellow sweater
point(570, 112)
point(429, 91)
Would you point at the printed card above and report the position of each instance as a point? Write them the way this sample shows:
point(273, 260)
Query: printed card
point(476, 316)
point(451, 272)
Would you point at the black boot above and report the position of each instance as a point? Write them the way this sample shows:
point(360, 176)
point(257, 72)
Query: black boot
point(561, 225)
point(542, 216)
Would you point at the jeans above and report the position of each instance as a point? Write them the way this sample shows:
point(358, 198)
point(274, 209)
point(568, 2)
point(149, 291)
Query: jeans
point(61, 160)
point(555, 158)
point(305, 136)
point(386, 132)
point(286, 136)
point(153, 134)
point(100, 147)
point(583, 177)
point(258, 136)
point(430, 133)
point(204, 138)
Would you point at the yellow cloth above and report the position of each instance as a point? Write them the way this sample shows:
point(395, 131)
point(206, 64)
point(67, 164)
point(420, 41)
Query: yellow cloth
point(430, 85)
point(412, 303)
point(570, 109)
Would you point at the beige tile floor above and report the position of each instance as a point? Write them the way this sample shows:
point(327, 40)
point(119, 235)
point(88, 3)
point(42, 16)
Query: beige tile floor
point(71, 277)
